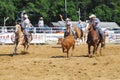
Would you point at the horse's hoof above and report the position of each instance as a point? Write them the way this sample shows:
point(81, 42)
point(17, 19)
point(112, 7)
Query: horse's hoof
point(90, 56)
point(11, 55)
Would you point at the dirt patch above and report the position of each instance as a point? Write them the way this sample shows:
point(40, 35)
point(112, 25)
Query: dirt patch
point(47, 62)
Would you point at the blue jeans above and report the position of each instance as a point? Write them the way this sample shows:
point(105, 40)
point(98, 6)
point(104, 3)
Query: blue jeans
point(26, 31)
point(100, 32)
point(66, 33)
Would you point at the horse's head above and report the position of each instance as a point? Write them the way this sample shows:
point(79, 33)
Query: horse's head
point(60, 40)
point(91, 27)
point(69, 30)
point(18, 28)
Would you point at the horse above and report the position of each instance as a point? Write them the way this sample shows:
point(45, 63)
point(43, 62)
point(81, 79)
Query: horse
point(78, 32)
point(68, 32)
point(20, 39)
point(93, 39)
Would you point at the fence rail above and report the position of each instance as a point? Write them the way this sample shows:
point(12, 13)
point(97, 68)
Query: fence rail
point(47, 35)
point(34, 29)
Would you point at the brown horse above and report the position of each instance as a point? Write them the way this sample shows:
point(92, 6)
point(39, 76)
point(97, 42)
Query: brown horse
point(94, 40)
point(20, 39)
point(68, 32)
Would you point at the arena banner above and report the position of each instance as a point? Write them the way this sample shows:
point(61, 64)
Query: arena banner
point(53, 38)
point(50, 38)
point(38, 38)
point(8, 38)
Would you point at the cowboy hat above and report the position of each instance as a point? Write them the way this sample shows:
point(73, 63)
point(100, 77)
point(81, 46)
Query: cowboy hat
point(41, 17)
point(67, 19)
point(79, 21)
point(25, 15)
point(92, 15)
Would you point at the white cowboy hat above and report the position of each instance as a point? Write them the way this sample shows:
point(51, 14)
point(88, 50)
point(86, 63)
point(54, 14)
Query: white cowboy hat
point(80, 21)
point(67, 19)
point(41, 17)
point(92, 15)
point(25, 15)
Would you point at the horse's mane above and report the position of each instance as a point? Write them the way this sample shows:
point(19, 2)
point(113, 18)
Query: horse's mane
point(92, 26)
point(21, 28)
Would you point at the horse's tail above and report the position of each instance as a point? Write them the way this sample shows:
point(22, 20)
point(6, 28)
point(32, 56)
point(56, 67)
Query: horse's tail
point(30, 38)
point(104, 39)
point(14, 38)
point(77, 32)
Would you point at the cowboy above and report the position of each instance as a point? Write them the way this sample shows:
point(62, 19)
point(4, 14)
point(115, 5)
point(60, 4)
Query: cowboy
point(80, 26)
point(41, 22)
point(68, 23)
point(95, 22)
point(26, 25)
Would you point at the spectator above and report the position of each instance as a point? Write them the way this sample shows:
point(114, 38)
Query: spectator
point(41, 22)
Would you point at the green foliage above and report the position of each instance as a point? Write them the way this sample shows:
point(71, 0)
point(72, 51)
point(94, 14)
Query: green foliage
point(103, 12)
point(7, 9)
point(106, 10)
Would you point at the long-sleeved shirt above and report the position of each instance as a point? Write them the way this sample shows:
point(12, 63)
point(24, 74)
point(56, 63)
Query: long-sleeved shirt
point(40, 23)
point(95, 21)
point(26, 23)
point(80, 25)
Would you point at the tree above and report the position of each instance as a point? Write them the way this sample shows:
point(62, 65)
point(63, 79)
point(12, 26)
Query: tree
point(106, 10)
point(7, 11)
point(103, 12)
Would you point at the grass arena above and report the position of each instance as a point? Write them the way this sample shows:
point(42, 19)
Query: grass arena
point(47, 62)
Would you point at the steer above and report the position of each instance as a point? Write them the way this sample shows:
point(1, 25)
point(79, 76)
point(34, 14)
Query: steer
point(67, 43)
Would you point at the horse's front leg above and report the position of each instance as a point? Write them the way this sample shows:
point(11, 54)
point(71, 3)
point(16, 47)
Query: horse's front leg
point(26, 46)
point(15, 49)
point(67, 53)
point(89, 51)
point(100, 51)
point(94, 49)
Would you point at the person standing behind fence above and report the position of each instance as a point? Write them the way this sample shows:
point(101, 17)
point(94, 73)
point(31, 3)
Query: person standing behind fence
point(41, 22)
point(25, 25)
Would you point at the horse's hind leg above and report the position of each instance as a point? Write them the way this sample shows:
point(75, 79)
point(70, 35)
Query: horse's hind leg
point(72, 49)
point(25, 47)
point(101, 47)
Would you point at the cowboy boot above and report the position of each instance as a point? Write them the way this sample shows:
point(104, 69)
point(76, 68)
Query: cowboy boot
point(26, 38)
